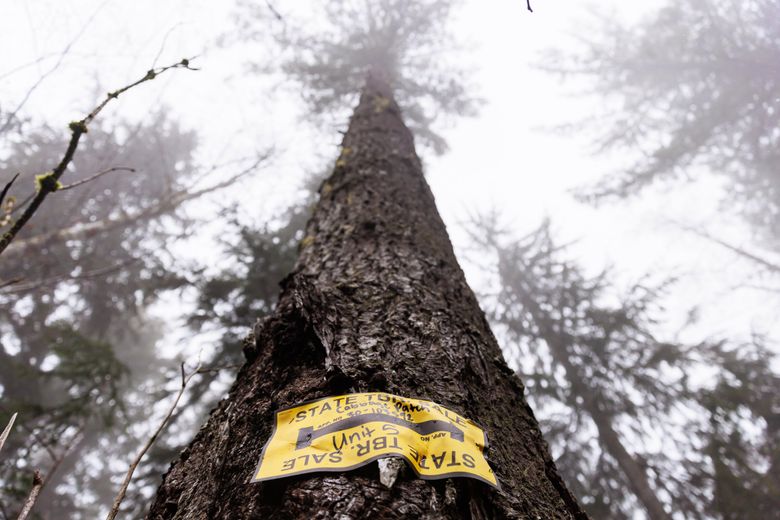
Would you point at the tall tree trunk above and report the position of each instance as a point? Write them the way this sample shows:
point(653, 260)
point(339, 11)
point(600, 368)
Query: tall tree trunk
point(376, 302)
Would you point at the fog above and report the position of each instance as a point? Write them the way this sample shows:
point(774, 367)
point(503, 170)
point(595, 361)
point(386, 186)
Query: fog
point(519, 117)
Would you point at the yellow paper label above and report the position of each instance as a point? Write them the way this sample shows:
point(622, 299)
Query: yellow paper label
point(347, 431)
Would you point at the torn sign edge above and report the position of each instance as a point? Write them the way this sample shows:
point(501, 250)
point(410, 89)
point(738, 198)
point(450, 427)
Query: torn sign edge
point(496, 484)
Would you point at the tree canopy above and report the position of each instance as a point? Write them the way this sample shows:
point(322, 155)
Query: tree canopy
point(689, 90)
point(329, 53)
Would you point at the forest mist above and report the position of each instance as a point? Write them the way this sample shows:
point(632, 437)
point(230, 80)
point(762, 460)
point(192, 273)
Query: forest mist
point(609, 177)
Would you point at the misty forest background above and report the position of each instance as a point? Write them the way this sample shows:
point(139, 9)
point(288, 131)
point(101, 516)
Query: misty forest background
point(610, 177)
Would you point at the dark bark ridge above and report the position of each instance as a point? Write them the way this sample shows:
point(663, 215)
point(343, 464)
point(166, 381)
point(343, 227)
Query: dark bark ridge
point(376, 302)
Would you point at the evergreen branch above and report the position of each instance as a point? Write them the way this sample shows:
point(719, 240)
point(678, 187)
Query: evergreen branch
point(120, 496)
point(49, 182)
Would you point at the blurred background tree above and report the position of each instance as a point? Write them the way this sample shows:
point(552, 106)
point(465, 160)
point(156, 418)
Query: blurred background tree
point(618, 404)
point(328, 49)
point(80, 360)
point(688, 91)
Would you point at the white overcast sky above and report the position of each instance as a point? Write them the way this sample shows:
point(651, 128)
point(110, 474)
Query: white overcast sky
point(503, 158)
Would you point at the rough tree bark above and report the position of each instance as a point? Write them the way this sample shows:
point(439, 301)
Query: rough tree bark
point(376, 302)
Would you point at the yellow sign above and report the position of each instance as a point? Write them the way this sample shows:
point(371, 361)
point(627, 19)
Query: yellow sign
point(347, 431)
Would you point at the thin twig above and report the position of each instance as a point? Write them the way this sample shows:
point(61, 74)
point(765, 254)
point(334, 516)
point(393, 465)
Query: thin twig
point(49, 183)
point(273, 10)
point(27, 65)
point(32, 431)
point(5, 287)
point(32, 497)
point(7, 431)
point(7, 187)
point(69, 186)
point(169, 204)
point(38, 481)
point(219, 369)
point(96, 176)
point(741, 252)
point(12, 281)
point(775, 268)
point(69, 448)
point(164, 41)
point(120, 496)
point(56, 66)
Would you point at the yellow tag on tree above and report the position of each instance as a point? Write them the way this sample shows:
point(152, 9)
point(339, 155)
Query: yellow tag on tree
point(345, 432)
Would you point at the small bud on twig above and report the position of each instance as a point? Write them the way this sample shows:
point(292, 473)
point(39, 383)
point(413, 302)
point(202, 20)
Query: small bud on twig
point(48, 182)
point(78, 126)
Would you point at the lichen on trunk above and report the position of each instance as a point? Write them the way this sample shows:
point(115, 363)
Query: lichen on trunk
point(376, 302)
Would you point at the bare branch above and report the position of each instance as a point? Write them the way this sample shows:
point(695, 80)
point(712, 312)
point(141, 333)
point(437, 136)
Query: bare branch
point(67, 449)
point(120, 496)
point(32, 497)
point(745, 254)
point(27, 65)
point(5, 287)
point(165, 206)
point(164, 41)
point(6, 188)
point(7, 431)
point(10, 282)
point(69, 186)
point(39, 482)
point(33, 432)
point(96, 176)
point(775, 268)
point(54, 67)
point(273, 10)
point(207, 370)
point(49, 182)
